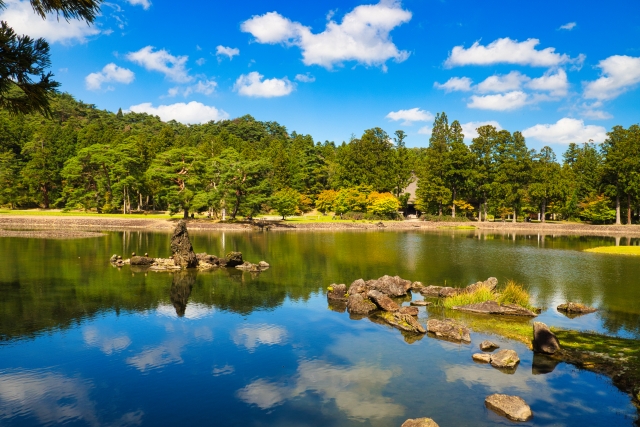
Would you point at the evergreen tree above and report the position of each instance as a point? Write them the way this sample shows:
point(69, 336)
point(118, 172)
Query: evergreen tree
point(546, 179)
point(512, 162)
point(433, 185)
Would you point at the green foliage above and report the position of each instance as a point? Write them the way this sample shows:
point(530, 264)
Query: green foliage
point(597, 209)
point(481, 294)
point(352, 199)
point(325, 200)
point(443, 218)
point(384, 205)
point(514, 293)
point(286, 202)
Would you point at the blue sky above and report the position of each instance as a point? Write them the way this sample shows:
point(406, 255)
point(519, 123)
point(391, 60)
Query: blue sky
point(560, 71)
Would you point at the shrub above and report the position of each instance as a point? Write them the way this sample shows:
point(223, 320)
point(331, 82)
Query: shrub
point(481, 294)
point(444, 218)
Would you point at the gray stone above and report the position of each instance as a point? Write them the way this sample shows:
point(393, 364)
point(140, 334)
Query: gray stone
point(417, 286)
point(382, 301)
point(113, 258)
point(419, 422)
point(181, 248)
point(505, 359)
point(491, 283)
point(264, 265)
point(449, 329)
point(209, 259)
point(481, 357)
point(359, 304)
point(391, 286)
point(448, 292)
point(411, 311)
point(141, 260)
point(337, 292)
point(358, 287)
point(403, 321)
point(512, 407)
point(234, 259)
point(420, 303)
point(431, 291)
point(577, 308)
point(487, 345)
point(544, 341)
point(492, 307)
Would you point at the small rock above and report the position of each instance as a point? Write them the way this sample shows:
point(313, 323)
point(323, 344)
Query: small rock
point(403, 321)
point(491, 283)
point(391, 286)
point(492, 307)
point(448, 292)
point(358, 287)
point(146, 254)
point(141, 260)
point(209, 259)
point(544, 341)
point(449, 329)
point(337, 292)
point(133, 254)
point(574, 307)
point(263, 264)
point(411, 311)
point(488, 345)
point(420, 303)
point(431, 291)
point(359, 304)
point(234, 259)
point(481, 357)
point(505, 359)
point(113, 258)
point(419, 422)
point(248, 266)
point(512, 407)
point(417, 286)
point(382, 301)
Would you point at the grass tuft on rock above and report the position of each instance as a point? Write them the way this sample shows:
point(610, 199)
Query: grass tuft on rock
point(515, 293)
point(482, 294)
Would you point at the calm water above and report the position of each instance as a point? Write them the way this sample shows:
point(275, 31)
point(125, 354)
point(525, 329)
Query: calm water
point(83, 343)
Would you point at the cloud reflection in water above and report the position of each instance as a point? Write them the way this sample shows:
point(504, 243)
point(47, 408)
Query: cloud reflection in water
point(252, 336)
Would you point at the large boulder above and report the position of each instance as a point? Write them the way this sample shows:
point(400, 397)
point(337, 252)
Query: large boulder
point(492, 307)
point(544, 341)
point(411, 311)
point(419, 422)
point(491, 283)
point(234, 259)
point(391, 286)
point(575, 308)
point(449, 329)
point(209, 259)
point(141, 260)
point(359, 304)
point(512, 407)
point(505, 359)
point(405, 322)
point(181, 249)
point(337, 292)
point(358, 287)
point(382, 301)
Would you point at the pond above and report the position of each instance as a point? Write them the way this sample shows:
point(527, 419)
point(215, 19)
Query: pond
point(84, 343)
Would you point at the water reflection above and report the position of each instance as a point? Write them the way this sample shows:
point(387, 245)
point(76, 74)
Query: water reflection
point(168, 352)
point(181, 286)
point(356, 390)
point(107, 342)
point(251, 336)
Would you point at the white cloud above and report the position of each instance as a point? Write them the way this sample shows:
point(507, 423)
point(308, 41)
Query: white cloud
point(252, 85)
point(410, 116)
point(173, 67)
point(230, 52)
point(506, 51)
point(305, 78)
point(362, 36)
point(566, 130)
point(502, 83)
point(20, 16)
point(500, 102)
point(555, 83)
point(592, 111)
point(470, 129)
point(619, 74)
point(193, 112)
point(205, 87)
point(146, 4)
point(110, 73)
point(462, 84)
point(568, 26)
point(201, 61)
point(107, 343)
point(252, 336)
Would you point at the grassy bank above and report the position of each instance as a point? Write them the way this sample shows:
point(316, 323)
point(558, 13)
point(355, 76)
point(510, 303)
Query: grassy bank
point(616, 250)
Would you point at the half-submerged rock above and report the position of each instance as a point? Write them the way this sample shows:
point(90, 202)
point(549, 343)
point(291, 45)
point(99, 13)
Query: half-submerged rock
point(419, 422)
point(420, 303)
point(505, 359)
point(512, 407)
point(439, 291)
point(382, 301)
point(449, 329)
point(481, 357)
point(337, 292)
point(249, 266)
point(487, 345)
point(141, 260)
point(491, 283)
point(575, 308)
point(544, 341)
point(492, 307)
point(233, 259)
point(359, 304)
point(402, 321)
point(181, 249)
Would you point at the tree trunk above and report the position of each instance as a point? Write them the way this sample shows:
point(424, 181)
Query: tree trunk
point(45, 196)
point(628, 209)
point(453, 204)
point(618, 210)
point(439, 209)
point(544, 209)
point(186, 213)
point(514, 215)
point(480, 212)
point(486, 210)
point(124, 200)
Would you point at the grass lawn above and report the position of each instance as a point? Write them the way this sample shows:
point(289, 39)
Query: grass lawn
point(616, 250)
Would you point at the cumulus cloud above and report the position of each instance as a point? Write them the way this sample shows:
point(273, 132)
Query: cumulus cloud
point(146, 4)
point(253, 85)
point(410, 116)
point(566, 130)
point(619, 74)
point(193, 112)
point(461, 84)
point(173, 67)
point(110, 73)
point(500, 102)
point(229, 52)
point(555, 83)
point(362, 36)
point(205, 87)
point(201, 61)
point(470, 129)
point(592, 111)
point(305, 78)
point(568, 26)
point(506, 51)
point(251, 337)
point(502, 83)
point(20, 16)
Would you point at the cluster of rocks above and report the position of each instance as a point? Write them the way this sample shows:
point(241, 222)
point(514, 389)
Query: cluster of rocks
point(505, 360)
point(446, 291)
point(183, 256)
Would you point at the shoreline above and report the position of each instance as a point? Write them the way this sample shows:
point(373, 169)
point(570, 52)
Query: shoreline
point(72, 226)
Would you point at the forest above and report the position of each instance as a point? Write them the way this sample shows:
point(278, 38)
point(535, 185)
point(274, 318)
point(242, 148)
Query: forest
point(83, 158)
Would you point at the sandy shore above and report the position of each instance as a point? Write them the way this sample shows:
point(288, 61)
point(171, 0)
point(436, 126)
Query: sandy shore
point(88, 226)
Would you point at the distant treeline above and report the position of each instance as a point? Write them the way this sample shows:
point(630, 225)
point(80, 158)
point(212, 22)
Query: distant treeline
point(93, 160)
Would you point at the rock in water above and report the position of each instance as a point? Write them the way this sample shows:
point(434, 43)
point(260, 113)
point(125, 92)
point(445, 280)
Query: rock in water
point(403, 321)
point(492, 307)
point(488, 345)
point(420, 303)
point(512, 407)
point(411, 311)
point(544, 341)
point(419, 422)
point(449, 329)
point(359, 304)
point(575, 307)
point(234, 259)
point(141, 260)
point(481, 357)
point(490, 284)
point(337, 292)
point(505, 359)
point(382, 301)
point(181, 248)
